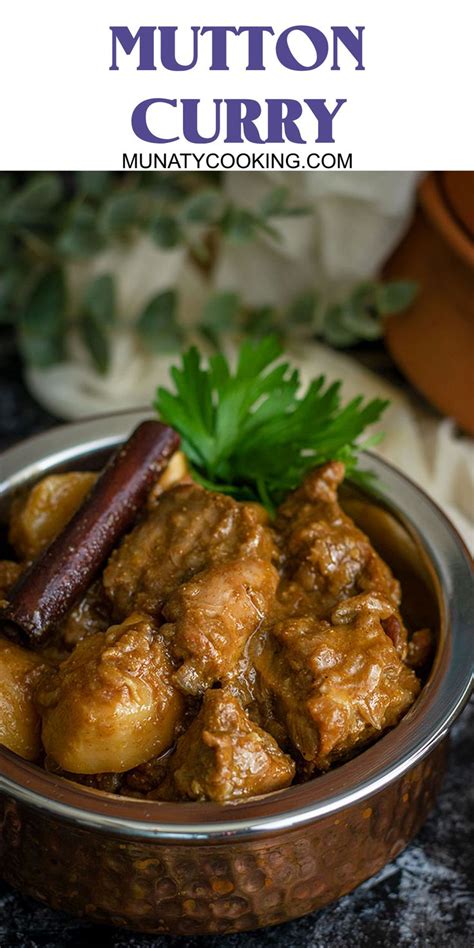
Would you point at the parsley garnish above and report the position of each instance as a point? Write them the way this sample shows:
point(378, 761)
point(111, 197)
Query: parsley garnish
point(249, 433)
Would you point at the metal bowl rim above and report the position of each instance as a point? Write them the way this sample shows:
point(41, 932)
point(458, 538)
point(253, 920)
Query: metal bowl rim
point(397, 752)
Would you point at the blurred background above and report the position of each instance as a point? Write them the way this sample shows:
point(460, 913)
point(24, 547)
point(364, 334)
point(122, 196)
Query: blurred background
point(367, 277)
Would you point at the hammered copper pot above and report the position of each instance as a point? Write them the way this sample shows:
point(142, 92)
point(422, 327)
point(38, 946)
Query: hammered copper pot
point(198, 868)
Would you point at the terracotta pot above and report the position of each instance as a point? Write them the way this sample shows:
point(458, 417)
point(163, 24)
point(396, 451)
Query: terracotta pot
point(433, 341)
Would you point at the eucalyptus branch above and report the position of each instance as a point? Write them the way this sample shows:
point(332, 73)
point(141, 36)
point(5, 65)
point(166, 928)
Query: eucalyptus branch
point(48, 221)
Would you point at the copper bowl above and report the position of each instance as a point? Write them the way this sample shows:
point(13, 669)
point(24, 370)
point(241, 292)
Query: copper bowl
point(199, 868)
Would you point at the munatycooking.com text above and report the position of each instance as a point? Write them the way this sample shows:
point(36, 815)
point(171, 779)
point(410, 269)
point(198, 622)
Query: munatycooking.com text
point(243, 161)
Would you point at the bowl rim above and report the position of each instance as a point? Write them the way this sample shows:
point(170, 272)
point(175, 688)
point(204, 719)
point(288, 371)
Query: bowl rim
point(423, 727)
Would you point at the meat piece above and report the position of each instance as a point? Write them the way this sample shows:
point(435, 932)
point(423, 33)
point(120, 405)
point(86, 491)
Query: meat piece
point(107, 783)
point(88, 616)
point(142, 780)
point(333, 684)
point(420, 648)
point(37, 519)
point(394, 628)
point(224, 756)
point(325, 552)
point(111, 705)
point(212, 616)
point(20, 724)
point(327, 558)
point(188, 530)
point(240, 681)
point(9, 573)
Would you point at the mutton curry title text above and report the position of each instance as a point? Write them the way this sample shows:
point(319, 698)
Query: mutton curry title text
point(302, 48)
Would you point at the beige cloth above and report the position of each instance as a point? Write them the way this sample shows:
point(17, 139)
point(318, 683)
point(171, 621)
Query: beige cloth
point(426, 449)
point(356, 219)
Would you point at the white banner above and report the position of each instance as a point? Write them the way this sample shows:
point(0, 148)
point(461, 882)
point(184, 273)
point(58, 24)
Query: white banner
point(109, 84)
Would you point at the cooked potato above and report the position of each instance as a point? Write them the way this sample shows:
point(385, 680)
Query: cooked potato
point(20, 723)
point(177, 470)
point(111, 705)
point(37, 519)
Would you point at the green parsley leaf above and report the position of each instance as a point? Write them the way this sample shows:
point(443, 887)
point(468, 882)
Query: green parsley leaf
point(249, 432)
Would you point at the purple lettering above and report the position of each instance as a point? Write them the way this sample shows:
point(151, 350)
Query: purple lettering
point(168, 49)
point(353, 43)
point(140, 121)
point(283, 127)
point(219, 44)
point(190, 121)
point(241, 115)
point(144, 36)
point(324, 117)
point(286, 56)
point(255, 47)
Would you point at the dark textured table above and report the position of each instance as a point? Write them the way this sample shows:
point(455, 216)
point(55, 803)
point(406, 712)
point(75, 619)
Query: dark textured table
point(423, 898)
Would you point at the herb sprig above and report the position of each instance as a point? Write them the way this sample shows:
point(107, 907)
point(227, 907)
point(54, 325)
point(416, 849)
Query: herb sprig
point(51, 220)
point(249, 433)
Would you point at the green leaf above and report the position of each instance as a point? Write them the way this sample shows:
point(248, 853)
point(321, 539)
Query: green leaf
point(42, 322)
point(165, 231)
point(99, 300)
point(7, 181)
point(8, 250)
point(11, 283)
point(80, 237)
point(333, 331)
point(157, 325)
point(364, 295)
point(360, 322)
point(97, 317)
point(249, 432)
point(120, 213)
point(96, 341)
point(221, 310)
point(261, 321)
point(204, 207)
point(32, 204)
point(395, 297)
point(303, 310)
point(93, 183)
point(275, 204)
point(201, 251)
point(239, 225)
point(168, 186)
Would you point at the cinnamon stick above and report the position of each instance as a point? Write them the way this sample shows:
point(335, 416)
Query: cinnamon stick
point(48, 589)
